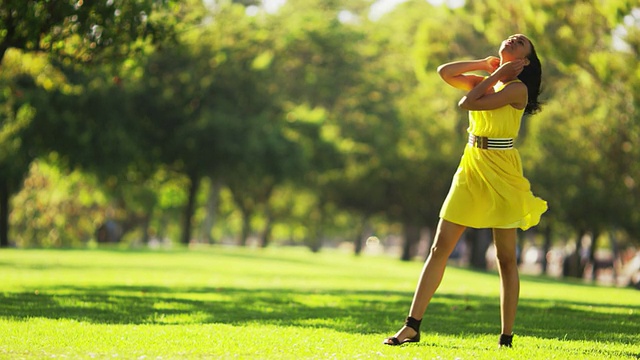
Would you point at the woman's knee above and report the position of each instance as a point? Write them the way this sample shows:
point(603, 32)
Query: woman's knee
point(447, 236)
point(507, 260)
point(505, 244)
point(441, 251)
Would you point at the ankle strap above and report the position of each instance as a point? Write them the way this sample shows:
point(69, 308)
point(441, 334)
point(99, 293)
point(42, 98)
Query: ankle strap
point(506, 339)
point(413, 323)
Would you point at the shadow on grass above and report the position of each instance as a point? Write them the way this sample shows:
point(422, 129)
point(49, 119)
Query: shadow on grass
point(361, 312)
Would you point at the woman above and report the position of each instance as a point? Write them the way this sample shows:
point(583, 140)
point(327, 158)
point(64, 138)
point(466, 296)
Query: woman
point(488, 189)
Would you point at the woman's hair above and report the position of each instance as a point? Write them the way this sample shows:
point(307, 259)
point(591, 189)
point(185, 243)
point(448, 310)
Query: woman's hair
point(531, 76)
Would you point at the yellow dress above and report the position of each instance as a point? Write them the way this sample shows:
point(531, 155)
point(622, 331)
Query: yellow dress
point(489, 189)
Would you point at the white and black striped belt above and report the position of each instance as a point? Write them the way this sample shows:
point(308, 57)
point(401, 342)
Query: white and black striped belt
point(488, 143)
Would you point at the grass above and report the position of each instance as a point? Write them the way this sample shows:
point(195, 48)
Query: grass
point(283, 303)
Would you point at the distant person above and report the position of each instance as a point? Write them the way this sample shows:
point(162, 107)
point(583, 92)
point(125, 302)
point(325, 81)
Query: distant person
point(488, 189)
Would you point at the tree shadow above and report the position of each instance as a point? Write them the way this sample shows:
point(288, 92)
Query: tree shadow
point(359, 312)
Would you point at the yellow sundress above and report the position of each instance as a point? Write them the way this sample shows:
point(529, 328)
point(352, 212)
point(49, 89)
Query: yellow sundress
point(489, 189)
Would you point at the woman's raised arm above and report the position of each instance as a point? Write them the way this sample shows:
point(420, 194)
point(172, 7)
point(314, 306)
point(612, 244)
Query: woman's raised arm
point(514, 94)
point(456, 73)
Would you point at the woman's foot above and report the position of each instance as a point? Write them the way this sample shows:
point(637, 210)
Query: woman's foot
point(505, 340)
point(410, 332)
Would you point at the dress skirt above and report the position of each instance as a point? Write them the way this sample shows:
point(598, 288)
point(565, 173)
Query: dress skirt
point(489, 190)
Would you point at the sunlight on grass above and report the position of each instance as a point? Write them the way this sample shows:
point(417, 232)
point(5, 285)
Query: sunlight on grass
point(288, 303)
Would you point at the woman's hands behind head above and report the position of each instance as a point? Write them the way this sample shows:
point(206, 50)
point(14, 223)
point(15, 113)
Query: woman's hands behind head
point(493, 63)
point(510, 70)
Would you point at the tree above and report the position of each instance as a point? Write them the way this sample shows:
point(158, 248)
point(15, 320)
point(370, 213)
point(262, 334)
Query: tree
point(581, 158)
point(70, 31)
point(207, 109)
point(316, 73)
point(16, 118)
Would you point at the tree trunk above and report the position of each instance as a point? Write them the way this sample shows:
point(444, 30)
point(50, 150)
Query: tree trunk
point(4, 46)
point(190, 208)
point(364, 232)
point(265, 237)
point(315, 224)
point(411, 239)
point(4, 214)
point(212, 210)
point(246, 227)
point(592, 255)
point(546, 248)
point(315, 239)
point(573, 265)
point(479, 241)
point(613, 241)
point(146, 224)
point(357, 242)
point(315, 236)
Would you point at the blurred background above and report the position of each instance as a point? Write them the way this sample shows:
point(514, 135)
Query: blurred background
point(165, 123)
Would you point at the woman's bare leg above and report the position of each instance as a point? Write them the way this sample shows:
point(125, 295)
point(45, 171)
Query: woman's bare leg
point(446, 238)
point(505, 244)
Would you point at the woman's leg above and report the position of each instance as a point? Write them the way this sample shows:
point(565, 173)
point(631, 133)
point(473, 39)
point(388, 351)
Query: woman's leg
point(505, 244)
point(446, 238)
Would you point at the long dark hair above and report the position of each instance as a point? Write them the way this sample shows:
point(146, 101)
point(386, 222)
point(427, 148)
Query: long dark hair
point(531, 76)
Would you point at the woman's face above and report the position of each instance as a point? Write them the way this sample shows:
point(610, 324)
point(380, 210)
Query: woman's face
point(515, 47)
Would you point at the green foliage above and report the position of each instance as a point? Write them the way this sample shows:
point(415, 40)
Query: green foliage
point(569, 149)
point(294, 305)
point(76, 30)
point(56, 208)
point(71, 33)
point(313, 114)
point(19, 110)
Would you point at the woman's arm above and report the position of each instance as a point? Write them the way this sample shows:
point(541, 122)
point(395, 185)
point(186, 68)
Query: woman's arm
point(455, 73)
point(482, 98)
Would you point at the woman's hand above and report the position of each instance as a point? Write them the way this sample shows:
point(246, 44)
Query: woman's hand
point(482, 96)
point(492, 63)
point(510, 70)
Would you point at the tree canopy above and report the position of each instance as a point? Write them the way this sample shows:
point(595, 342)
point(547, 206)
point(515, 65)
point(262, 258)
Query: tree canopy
point(309, 121)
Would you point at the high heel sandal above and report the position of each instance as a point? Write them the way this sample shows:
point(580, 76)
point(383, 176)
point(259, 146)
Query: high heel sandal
point(505, 340)
point(411, 323)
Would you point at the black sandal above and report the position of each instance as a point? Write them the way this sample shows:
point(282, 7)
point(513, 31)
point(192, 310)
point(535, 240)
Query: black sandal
point(505, 340)
point(412, 323)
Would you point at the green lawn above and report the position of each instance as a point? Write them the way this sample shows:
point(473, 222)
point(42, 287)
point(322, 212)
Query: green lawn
point(284, 303)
